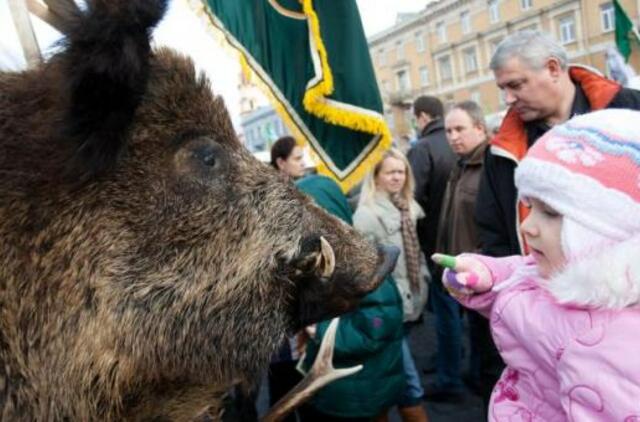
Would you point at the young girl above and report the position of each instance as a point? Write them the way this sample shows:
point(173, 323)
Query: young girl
point(565, 318)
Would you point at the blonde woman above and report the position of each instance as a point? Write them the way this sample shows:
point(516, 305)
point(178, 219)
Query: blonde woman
point(387, 214)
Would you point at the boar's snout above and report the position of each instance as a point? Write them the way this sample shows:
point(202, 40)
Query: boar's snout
point(327, 283)
point(389, 256)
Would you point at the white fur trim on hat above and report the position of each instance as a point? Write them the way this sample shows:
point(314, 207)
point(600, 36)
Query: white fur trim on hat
point(579, 240)
point(609, 278)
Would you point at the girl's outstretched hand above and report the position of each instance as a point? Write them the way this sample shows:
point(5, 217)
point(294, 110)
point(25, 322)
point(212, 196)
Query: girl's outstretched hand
point(464, 275)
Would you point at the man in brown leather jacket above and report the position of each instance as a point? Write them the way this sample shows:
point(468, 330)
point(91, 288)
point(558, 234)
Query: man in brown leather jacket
point(466, 134)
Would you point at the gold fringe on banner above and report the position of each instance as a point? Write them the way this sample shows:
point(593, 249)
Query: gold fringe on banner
point(315, 99)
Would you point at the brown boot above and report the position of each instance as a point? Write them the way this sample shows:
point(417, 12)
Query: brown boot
point(413, 414)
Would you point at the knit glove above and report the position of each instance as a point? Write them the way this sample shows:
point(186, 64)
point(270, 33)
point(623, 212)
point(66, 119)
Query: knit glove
point(464, 274)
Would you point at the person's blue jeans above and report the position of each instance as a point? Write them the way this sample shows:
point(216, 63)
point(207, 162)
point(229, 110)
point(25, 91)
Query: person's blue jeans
point(413, 392)
point(449, 336)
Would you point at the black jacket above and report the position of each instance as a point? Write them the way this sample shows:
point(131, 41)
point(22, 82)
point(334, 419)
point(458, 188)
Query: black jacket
point(431, 160)
point(497, 211)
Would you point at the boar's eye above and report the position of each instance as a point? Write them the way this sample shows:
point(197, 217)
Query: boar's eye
point(201, 158)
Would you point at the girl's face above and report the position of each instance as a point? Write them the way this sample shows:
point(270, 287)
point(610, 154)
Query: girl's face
point(293, 166)
point(392, 176)
point(542, 231)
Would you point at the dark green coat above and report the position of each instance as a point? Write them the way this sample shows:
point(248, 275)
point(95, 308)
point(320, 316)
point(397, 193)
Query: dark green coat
point(371, 335)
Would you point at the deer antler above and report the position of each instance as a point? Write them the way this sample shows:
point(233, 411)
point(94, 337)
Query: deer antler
point(57, 13)
point(322, 373)
point(26, 35)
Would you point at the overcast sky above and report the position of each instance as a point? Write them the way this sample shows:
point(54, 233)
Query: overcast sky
point(378, 15)
point(182, 29)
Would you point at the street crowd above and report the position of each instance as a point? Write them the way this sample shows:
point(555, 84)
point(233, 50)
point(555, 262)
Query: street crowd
point(531, 233)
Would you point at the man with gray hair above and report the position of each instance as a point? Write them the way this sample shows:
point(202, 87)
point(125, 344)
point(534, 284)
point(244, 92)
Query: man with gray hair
point(541, 90)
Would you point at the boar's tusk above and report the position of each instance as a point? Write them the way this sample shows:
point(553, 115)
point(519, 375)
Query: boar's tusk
point(328, 264)
point(322, 373)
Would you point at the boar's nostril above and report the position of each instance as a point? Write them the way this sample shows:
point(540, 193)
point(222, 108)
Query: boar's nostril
point(209, 160)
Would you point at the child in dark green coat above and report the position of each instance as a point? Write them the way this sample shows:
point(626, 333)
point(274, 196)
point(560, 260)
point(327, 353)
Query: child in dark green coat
point(370, 335)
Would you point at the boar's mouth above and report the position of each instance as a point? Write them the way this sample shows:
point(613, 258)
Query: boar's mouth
point(326, 288)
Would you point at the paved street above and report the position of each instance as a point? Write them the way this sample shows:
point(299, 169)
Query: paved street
point(423, 345)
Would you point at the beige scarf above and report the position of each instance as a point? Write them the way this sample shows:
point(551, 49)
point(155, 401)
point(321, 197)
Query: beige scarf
point(409, 241)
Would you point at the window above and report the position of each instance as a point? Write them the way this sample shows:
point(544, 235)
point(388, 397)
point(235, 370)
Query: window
point(444, 63)
point(475, 97)
point(381, 60)
point(526, 4)
point(441, 30)
point(404, 83)
point(493, 45)
point(270, 130)
point(567, 30)
point(465, 21)
point(448, 102)
point(424, 76)
point(419, 42)
point(470, 61)
point(399, 50)
point(388, 117)
point(494, 11)
point(607, 17)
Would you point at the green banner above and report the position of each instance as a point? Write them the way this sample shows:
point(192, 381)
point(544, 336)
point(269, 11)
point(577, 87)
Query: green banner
point(312, 60)
point(625, 31)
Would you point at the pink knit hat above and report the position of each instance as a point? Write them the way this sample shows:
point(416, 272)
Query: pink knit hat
point(588, 169)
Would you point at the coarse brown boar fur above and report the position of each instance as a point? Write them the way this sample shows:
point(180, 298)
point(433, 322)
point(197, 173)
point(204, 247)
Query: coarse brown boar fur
point(148, 261)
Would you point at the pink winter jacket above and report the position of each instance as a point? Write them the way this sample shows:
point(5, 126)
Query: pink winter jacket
point(571, 343)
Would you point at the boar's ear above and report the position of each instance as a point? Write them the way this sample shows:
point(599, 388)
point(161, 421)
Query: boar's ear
point(106, 68)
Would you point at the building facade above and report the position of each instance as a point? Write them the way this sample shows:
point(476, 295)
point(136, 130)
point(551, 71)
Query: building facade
point(445, 49)
point(261, 128)
point(261, 125)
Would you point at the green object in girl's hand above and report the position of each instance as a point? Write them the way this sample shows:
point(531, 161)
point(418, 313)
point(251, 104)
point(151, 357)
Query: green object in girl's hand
point(446, 261)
